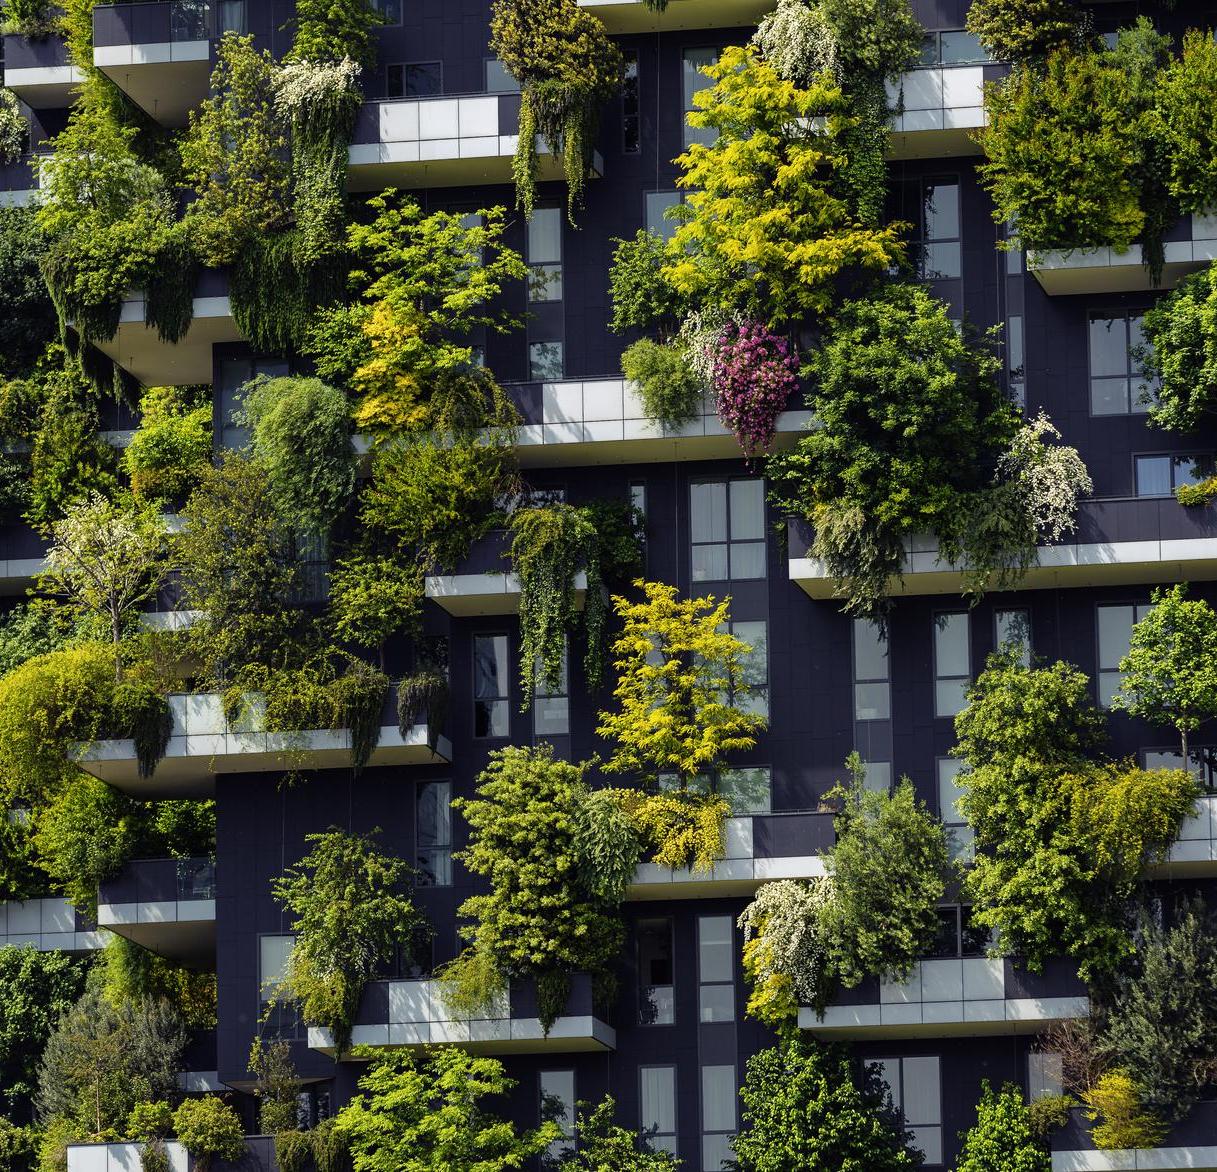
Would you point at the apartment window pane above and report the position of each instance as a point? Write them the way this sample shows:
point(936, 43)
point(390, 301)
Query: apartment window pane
point(1115, 624)
point(557, 1094)
point(433, 831)
point(718, 1093)
point(419, 79)
point(872, 693)
point(545, 361)
point(727, 525)
point(390, 10)
point(1013, 630)
point(1115, 383)
point(630, 104)
point(747, 510)
point(1045, 1076)
point(491, 686)
point(716, 968)
point(658, 1113)
point(750, 691)
point(962, 48)
point(748, 791)
point(1201, 763)
point(693, 80)
point(273, 953)
point(1153, 475)
point(232, 16)
point(656, 1000)
point(915, 1087)
point(878, 777)
point(551, 706)
point(949, 790)
point(498, 80)
point(545, 235)
point(657, 204)
point(708, 519)
point(952, 665)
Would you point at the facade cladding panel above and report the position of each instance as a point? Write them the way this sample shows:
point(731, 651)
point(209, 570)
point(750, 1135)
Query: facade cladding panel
point(676, 1031)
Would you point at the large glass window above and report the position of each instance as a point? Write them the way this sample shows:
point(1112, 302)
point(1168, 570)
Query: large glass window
point(631, 106)
point(727, 529)
point(1201, 761)
point(1115, 624)
point(718, 1095)
point(957, 936)
point(959, 833)
point(234, 374)
point(1115, 378)
point(750, 689)
point(390, 10)
point(551, 705)
point(941, 249)
point(656, 994)
point(282, 1018)
point(748, 790)
point(952, 47)
point(916, 1090)
point(545, 255)
point(952, 662)
point(658, 220)
point(498, 80)
point(414, 79)
point(1012, 632)
point(491, 686)
point(872, 689)
point(693, 80)
point(433, 834)
point(657, 1092)
point(715, 968)
point(557, 1104)
point(545, 362)
point(1161, 475)
point(1045, 1075)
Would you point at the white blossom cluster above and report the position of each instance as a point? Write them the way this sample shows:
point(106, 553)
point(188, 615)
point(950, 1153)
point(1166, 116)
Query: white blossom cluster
point(789, 915)
point(798, 42)
point(1049, 477)
point(302, 87)
point(14, 130)
point(700, 333)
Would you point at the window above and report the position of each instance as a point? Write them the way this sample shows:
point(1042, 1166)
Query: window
point(188, 21)
point(658, 220)
point(1012, 630)
point(415, 79)
point(491, 686)
point(1202, 762)
point(282, 1018)
point(717, 1117)
point(952, 47)
point(1045, 1075)
point(941, 256)
point(693, 80)
point(750, 688)
point(433, 834)
point(748, 791)
point(544, 361)
point(234, 374)
point(959, 833)
point(656, 997)
point(1115, 380)
point(1016, 360)
point(390, 10)
point(957, 936)
point(657, 1094)
point(232, 17)
point(952, 663)
point(1162, 475)
point(551, 706)
point(545, 255)
point(727, 529)
point(715, 968)
point(631, 106)
point(872, 690)
point(557, 1103)
point(914, 1084)
point(498, 80)
point(1115, 624)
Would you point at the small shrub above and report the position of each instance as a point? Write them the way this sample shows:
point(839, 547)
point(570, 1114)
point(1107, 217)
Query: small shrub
point(1048, 1114)
point(172, 445)
point(209, 1129)
point(1121, 1120)
point(1003, 1138)
point(292, 1148)
point(670, 392)
point(150, 1121)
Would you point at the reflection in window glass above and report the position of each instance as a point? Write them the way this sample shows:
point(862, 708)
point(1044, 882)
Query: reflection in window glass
point(718, 1093)
point(1012, 631)
point(1115, 379)
point(1202, 763)
point(630, 104)
point(417, 79)
point(491, 683)
point(748, 791)
point(498, 80)
point(433, 834)
point(872, 691)
point(1162, 475)
point(658, 1115)
point(557, 1104)
point(952, 663)
point(551, 706)
point(656, 995)
point(1115, 624)
point(727, 529)
point(390, 10)
point(545, 361)
point(658, 221)
point(915, 1087)
point(750, 688)
point(694, 80)
point(959, 833)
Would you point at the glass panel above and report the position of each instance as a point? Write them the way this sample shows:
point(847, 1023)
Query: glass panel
point(1013, 629)
point(544, 282)
point(878, 777)
point(491, 719)
point(557, 1091)
point(872, 702)
point(1108, 346)
point(1045, 1075)
point(273, 952)
point(747, 510)
point(1109, 685)
point(1153, 475)
point(949, 790)
point(951, 645)
point(922, 1098)
point(716, 1153)
point(389, 9)
point(714, 949)
point(1115, 631)
point(545, 361)
point(658, 1099)
point(232, 16)
point(974, 939)
point(945, 943)
point(962, 48)
point(692, 79)
point(929, 1140)
point(545, 236)
point(708, 511)
point(1015, 348)
point(718, 1098)
point(709, 563)
point(1109, 396)
point(748, 559)
point(490, 665)
point(950, 697)
point(929, 49)
point(657, 203)
point(888, 1072)
point(655, 972)
point(434, 813)
point(551, 716)
point(717, 1003)
point(870, 651)
point(498, 80)
point(424, 80)
point(941, 210)
point(747, 790)
point(943, 261)
point(1190, 470)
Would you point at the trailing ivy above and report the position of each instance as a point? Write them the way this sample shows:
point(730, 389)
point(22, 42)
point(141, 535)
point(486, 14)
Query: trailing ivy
point(424, 696)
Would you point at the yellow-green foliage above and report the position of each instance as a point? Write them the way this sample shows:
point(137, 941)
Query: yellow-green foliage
point(679, 830)
point(1120, 1119)
point(676, 663)
point(171, 446)
point(765, 233)
point(771, 998)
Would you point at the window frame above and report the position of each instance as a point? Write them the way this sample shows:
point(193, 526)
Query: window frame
point(405, 66)
point(1100, 671)
point(729, 540)
point(939, 677)
point(1133, 406)
point(647, 1136)
point(504, 698)
point(439, 849)
point(640, 987)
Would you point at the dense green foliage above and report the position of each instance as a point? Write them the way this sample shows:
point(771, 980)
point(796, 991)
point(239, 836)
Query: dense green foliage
point(171, 446)
point(603, 1145)
point(209, 1129)
point(1180, 352)
point(1003, 1139)
point(27, 316)
point(1187, 125)
point(670, 391)
point(1121, 1121)
point(642, 297)
point(1020, 31)
point(351, 909)
point(805, 1110)
point(425, 1114)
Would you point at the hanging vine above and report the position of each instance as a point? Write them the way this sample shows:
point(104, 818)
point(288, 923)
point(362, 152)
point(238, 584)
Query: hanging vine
point(567, 67)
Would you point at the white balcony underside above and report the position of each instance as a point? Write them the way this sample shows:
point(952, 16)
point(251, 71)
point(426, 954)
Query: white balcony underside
point(139, 350)
point(470, 595)
point(567, 1035)
point(166, 80)
point(943, 1019)
point(49, 87)
point(183, 930)
point(1192, 1159)
point(633, 16)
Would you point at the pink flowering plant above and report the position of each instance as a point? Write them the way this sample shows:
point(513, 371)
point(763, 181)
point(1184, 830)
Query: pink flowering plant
point(753, 377)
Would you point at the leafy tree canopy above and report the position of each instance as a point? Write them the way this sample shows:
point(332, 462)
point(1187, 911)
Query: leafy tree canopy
point(1002, 1138)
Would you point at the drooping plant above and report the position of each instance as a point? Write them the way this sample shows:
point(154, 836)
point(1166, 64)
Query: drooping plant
point(351, 909)
point(69, 461)
point(567, 67)
point(754, 377)
point(669, 390)
point(170, 447)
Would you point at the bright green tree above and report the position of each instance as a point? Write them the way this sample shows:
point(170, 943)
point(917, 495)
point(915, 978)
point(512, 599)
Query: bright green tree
point(1002, 1138)
point(765, 232)
point(603, 1146)
point(1019, 31)
point(1180, 353)
point(352, 907)
point(1188, 122)
point(1170, 671)
point(676, 663)
point(171, 446)
point(805, 1110)
point(425, 1114)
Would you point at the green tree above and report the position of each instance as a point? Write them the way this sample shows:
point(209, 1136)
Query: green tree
point(1002, 1138)
point(1170, 671)
point(235, 155)
point(209, 1129)
point(36, 989)
point(603, 1146)
point(171, 446)
point(889, 867)
point(1180, 353)
point(676, 663)
point(27, 315)
point(18, 1147)
point(106, 558)
point(765, 233)
point(425, 1114)
point(805, 1110)
point(1187, 122)
point(1020, 31)
point(538, 920)
point(352, 908)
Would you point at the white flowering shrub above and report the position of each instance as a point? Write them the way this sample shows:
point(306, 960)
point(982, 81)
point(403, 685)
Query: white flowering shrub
point(1049, 478)
point(798, 41)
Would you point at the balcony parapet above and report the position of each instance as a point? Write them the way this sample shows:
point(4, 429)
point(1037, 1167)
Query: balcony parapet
point(127, 1157)
point(50, 925)
point(1191, 245)
point(166, 905)
point(939, 109)
point(412, 1013)
point(761, 848)
point(633, 16)
point(1129, 540)
point(1191, 1144)
point(954, 997)
point(37, 70)
point(442, 142)
point(203, 744)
